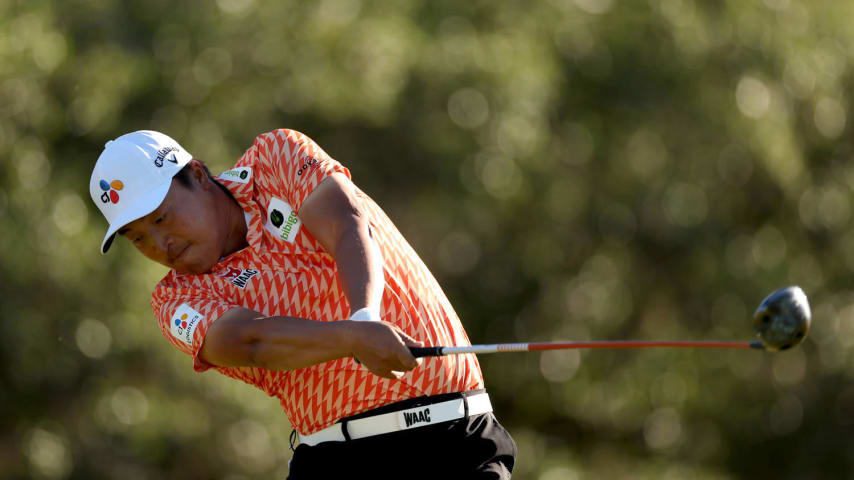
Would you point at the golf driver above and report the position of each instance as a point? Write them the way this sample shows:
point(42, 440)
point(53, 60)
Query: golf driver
point(781, 321)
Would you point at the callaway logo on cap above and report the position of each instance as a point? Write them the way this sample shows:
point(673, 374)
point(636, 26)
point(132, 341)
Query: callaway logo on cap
point(132, 177)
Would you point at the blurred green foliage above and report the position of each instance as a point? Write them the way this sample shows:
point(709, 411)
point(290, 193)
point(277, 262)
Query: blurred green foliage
point(570, 169)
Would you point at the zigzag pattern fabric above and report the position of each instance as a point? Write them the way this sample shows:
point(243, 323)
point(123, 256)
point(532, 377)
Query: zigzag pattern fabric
point(286, 272)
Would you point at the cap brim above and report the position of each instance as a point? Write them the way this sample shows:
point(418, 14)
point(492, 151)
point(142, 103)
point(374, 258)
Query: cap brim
point(141, 207)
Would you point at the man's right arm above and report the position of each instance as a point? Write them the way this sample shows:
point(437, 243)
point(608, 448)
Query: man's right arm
point(245, 338)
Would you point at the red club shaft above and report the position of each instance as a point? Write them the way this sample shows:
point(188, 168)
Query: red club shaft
point(636, 344)
point(527, 347)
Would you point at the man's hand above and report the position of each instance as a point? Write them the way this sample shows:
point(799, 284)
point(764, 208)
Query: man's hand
point(382, 348)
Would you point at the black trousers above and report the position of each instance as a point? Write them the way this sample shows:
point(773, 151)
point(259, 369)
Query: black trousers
point(477, 447)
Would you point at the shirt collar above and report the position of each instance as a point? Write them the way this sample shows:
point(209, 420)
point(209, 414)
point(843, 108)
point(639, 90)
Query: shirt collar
point(243, 193)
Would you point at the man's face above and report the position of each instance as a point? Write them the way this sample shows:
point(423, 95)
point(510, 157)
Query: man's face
point(184, 232)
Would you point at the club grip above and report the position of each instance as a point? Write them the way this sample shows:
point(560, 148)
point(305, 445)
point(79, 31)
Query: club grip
point(418, 352)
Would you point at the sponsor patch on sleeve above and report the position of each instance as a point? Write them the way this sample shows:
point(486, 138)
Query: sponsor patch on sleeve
point(282, 221)
point(184, 322)
point(239, 174)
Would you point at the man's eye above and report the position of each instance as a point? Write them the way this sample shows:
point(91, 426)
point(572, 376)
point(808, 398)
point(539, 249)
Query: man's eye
point(160, 218)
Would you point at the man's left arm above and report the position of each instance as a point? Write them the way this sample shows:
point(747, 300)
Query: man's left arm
point(333, 215)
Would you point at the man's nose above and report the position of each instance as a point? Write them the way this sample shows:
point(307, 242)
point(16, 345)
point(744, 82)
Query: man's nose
point(163, 242)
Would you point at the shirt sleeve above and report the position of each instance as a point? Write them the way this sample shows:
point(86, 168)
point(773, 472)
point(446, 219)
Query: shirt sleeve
point(185, 320)
point(296, 164)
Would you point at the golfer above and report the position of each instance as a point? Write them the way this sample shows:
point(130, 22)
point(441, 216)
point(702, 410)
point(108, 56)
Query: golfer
point(284, 275)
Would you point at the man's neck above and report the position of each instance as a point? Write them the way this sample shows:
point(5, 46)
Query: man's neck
point(235, 220)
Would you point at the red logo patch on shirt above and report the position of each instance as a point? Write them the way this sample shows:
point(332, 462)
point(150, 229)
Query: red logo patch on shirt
point(237, 276)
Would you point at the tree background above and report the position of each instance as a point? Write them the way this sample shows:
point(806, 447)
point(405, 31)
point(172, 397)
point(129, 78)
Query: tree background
point(569, 169)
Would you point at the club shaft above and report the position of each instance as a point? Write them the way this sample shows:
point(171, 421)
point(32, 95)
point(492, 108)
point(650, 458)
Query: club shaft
point(539, 346)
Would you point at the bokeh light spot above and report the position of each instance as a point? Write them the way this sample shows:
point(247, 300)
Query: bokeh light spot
point(579, 144)
point(250, 441)
point(558, 366)
point(32, 164)
point(129, 405)
point(93, 338)
point(646, 153)
point(236, 7)
point(777, 4)
point(50, 51)
point(799, 79)
point(500, 175)
point(830, 117)
point(596, 7)
point(825, 207)
point(769, 247)
point(806, 271)
point(662, 429)
point(685, 204)
point(468, 108)
point(786, 415)
point(70, 214)
point(49, 454)
point(339, 12)
point(738, 256)
point(559, 473)
point(458, 253)
point(752, 97)
point(212, 66)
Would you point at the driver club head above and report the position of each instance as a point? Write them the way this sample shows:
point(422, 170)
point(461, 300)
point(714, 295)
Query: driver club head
point(782, 320)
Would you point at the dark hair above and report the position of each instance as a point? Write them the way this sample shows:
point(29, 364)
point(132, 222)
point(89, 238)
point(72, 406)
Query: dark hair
point(183, 177)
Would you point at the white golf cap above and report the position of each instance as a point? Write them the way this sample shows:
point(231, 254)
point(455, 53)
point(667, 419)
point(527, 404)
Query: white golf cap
point(132, 177)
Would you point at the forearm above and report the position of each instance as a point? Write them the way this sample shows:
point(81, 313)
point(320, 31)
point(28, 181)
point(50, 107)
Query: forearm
point(292, 343)
point(360, 266)
point(245, 338)
point(287, 343)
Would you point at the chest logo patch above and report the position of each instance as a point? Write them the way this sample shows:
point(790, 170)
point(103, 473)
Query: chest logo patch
point(237, 276)
point(282, 221)
point(239, 175)
point(184, 322)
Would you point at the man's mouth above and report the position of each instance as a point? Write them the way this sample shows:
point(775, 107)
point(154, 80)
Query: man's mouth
point(179, 254)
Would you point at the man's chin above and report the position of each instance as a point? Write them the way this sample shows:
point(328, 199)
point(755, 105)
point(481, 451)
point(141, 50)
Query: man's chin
point(194, 268)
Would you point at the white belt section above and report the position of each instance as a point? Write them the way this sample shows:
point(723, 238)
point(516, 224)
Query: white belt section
point(402, 419)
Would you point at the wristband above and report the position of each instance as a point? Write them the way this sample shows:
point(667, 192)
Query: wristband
point(366, 314)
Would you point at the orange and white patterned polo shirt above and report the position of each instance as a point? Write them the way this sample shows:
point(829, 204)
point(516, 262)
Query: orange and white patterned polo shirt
point(286, 272)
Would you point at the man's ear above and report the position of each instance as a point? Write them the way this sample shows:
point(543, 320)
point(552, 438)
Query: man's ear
point(199, 175)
